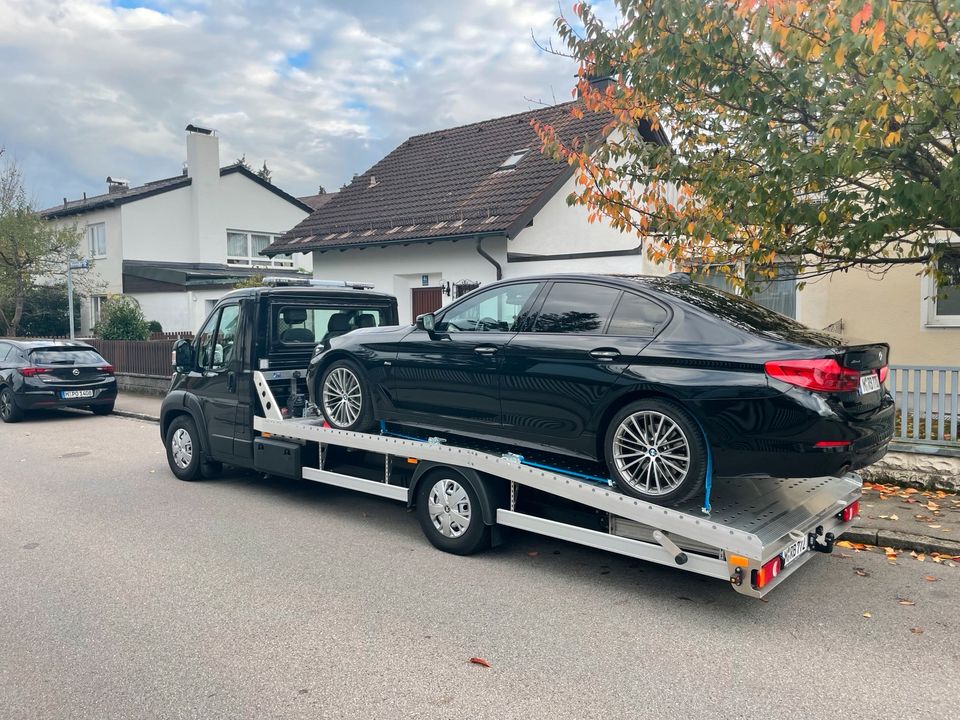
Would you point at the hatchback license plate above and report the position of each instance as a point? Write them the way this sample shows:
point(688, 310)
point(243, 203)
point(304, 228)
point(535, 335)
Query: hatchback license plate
point(792, 552)
point(869, 383)
point(74, 394)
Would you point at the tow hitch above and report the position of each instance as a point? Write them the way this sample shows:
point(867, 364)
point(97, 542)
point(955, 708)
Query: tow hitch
point(826, 546)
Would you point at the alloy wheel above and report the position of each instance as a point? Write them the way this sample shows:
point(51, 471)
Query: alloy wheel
point(5, 404)
point(651, 452)
point(449, 508)
point(342, 397)
point(181, 445)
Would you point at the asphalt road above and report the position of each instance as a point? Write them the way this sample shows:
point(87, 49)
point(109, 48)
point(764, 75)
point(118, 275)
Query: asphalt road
point(125, 593)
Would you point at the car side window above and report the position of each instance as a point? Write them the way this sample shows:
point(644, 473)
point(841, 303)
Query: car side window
point(496, 310)
point(636, 316)
point(576, 308)
point(205, 344)
point(225, 347)
point(4, 351)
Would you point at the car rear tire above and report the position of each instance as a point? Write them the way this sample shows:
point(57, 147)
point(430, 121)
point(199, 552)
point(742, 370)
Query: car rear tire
point(102, 409)
point(183, 449)
point(656, 451)
point(345, 398)
point(9, 412)
point(450, 514)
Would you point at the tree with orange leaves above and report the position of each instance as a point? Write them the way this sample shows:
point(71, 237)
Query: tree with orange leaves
point(825, 131)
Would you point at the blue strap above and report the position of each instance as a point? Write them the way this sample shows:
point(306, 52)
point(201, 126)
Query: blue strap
point(708, 484)
point(384, 431)
point(564, 471)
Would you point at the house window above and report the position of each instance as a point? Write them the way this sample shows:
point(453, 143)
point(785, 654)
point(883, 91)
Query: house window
point(943, 299)
point(243, 248)
point(96, 306)
point(97, 240)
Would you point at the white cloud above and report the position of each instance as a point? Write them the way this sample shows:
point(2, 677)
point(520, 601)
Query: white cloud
point(321, 90)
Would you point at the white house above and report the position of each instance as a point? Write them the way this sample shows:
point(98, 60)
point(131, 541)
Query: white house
point(453, 209)
point(178, 244)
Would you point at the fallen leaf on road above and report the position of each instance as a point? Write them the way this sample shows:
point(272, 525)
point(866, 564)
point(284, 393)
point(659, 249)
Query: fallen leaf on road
point(890, 553)
point(480, 661)
point(868, 615)
point(933, 526)
point(917, 630)
point(931, 505)
point(931, 578)
point(894, 517)
point(851, 545)
point(861, 572)
point(903, 601)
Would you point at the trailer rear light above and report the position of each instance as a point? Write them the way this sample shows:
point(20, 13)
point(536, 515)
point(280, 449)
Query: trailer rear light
point(767, 572)
point(832, 444)
point(31, 371)
point(850, 511)
point(819, 375)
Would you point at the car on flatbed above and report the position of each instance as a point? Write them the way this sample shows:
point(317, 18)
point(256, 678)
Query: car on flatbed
point(45, 374)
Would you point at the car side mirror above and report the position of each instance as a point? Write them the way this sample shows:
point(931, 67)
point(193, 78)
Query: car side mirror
point(427, 322)
point(183, 359)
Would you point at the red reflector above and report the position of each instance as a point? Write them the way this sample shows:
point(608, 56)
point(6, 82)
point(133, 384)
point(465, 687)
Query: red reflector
point(883, 372)
point(819, 375)
point(31, 371)
point(106, 369)
point(850, 511)
point(832, 443)
point(767, 572)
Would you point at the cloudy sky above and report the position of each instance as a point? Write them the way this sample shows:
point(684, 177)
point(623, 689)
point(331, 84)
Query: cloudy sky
point(320, 90)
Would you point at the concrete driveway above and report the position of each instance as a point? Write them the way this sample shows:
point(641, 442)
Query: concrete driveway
point(125, 593)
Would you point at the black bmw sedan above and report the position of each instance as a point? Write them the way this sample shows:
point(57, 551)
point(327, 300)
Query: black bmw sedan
point(53, 373)
point(654, 377)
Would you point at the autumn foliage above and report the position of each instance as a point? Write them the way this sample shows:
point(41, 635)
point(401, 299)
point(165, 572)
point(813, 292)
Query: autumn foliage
point(825, 131)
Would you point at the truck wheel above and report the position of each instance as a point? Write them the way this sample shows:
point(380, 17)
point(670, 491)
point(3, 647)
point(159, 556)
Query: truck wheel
point(183, 448)
point(345, 398)
point(449, 512)
point(9, 412)
point(656, 452)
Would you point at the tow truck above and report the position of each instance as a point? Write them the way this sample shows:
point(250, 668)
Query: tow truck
point(237, 397)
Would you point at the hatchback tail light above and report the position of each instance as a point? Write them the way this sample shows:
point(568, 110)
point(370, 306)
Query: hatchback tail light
point(850, 511)
point(31, 371)
point(819, 375)
point(108, 369)
point(767, 572)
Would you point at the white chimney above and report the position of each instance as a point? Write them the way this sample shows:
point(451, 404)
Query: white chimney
point(203, 169)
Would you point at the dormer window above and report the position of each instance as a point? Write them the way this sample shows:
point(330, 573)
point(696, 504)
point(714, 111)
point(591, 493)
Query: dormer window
point(511, 162)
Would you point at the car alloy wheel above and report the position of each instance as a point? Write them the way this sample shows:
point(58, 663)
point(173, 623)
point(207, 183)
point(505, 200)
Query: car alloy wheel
point(342, 397)
point(651, 453)
point(181, 446)
point(449, 508)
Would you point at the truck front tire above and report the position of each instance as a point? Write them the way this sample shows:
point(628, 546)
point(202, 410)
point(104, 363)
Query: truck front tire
point(183, 448)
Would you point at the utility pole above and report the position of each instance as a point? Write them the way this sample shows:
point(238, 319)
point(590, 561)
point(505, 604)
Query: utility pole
point(81, 264)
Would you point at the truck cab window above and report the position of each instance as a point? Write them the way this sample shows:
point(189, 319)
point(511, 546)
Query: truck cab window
point(304, 325)
point(217, 341)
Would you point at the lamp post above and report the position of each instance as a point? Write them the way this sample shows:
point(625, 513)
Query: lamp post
point(81, 264)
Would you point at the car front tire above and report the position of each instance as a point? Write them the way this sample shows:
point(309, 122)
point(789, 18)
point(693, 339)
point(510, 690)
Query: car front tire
point(345, 398)
point(183, 449)
point(656, 452)
point(9, 412)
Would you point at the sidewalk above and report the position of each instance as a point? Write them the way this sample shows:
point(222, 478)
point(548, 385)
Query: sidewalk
point(924, 521)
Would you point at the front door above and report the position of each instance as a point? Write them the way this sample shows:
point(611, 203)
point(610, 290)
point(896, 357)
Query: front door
point(425, 300)
point(449, 377)
point(215, 382)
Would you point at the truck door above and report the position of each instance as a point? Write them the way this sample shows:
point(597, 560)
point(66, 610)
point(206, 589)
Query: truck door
point(219, 365)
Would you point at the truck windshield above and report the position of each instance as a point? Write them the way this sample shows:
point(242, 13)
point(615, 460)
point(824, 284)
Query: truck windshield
point(305, 325)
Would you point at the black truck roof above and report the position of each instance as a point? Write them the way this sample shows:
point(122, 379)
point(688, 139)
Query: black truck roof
point(303, 291)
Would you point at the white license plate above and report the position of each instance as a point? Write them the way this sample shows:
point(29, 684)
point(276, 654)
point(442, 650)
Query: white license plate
point(869, 383)
point(793, 551)
point(74, 394)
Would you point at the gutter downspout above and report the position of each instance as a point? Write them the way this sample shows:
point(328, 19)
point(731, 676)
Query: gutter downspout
point(486, 256)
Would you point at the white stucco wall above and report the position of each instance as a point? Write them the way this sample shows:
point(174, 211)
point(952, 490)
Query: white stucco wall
point(179, 311)
point(159, 228)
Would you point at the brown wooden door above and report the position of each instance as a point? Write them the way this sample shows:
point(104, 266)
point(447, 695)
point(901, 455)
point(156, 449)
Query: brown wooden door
point(425, 300)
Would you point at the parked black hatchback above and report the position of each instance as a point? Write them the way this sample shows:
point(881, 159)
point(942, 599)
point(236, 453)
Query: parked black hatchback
point(657, 378)
point(38, 374)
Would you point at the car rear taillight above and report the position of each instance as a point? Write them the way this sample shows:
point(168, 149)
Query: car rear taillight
point(108, 369)
point(850, 511)
point(832, 444)
point(883, 372)
point(820, 375)
point(767, 572)
point(31, 371)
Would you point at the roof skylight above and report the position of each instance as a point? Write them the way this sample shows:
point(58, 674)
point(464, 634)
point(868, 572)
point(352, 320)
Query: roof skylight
point(511, 162)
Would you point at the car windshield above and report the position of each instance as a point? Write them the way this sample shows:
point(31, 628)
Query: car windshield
point(66, 356)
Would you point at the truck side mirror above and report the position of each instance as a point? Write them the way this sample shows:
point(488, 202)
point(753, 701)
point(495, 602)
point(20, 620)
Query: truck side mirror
point(183, 355)
point(427, 322)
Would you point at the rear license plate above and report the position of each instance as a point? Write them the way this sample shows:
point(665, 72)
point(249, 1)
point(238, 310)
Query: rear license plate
point(869, 383)
point(794, 550)
point(74, 394)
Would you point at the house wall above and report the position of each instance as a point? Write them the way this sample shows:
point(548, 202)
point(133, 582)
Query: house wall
point(160, 228)
point(179, 311)
point(888, 308)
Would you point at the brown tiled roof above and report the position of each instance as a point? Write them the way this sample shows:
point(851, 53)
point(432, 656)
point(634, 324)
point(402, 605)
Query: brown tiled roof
point(317, 201)
point(446, 184)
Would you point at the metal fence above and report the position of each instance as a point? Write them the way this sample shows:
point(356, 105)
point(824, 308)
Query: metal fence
point(927, 407)
point(140, 357)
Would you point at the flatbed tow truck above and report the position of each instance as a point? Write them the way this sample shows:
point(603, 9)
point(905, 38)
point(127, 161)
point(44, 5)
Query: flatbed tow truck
point(755, 535)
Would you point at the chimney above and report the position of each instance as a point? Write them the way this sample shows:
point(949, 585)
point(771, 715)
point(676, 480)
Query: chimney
point(208, 237)
point(117, 185)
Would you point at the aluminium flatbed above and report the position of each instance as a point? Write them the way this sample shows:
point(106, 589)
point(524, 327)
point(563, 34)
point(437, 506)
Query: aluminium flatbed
point(758, 532)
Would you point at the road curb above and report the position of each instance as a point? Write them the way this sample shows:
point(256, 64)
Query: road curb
point(136, 415)
point(902, 540)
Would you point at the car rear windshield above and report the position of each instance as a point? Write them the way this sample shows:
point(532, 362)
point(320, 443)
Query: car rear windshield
point(63, 356)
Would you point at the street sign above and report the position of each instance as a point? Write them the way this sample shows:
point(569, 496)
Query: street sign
point(82, 264)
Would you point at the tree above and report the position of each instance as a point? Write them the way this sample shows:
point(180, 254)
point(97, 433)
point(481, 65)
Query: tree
point(824, 131)
point(122, 319)
point(45, 311)
point(265, 173)
point(321, 190)
point(32, 250)
point(242, 162)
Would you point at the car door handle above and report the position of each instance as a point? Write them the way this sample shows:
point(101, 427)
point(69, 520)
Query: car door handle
point(485, 349)
point(605, 353)
point(231, 381)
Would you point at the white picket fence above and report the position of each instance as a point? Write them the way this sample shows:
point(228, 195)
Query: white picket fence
point(926, 398)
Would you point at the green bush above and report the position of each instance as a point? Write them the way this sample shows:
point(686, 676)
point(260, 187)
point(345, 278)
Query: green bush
point(155, 326)
point(122, 319)
point(45, 312)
